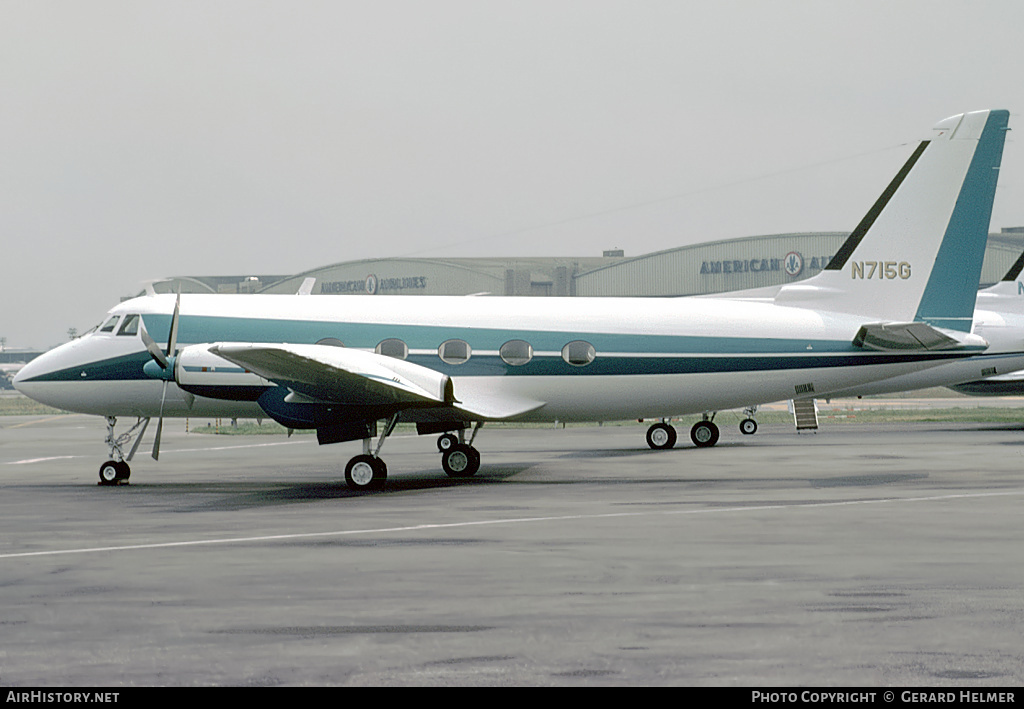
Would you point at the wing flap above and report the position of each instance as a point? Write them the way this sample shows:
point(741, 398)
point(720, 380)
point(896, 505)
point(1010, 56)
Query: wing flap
point(496, 408)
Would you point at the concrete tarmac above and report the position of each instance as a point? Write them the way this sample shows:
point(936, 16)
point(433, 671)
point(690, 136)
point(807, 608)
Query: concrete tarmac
point(863, 555)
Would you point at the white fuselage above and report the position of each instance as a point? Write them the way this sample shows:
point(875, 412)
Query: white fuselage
point(654, 357)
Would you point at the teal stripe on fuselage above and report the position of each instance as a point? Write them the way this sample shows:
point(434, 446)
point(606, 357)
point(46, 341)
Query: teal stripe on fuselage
point(130, 367)
point(617, 354)
point(200, 328)
point(124, 368)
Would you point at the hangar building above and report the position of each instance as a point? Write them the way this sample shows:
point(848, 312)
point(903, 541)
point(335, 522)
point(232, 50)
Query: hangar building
point(714, 267)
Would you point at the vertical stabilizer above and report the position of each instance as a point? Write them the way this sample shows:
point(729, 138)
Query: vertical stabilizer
point(1006, 296)
point(916, 255)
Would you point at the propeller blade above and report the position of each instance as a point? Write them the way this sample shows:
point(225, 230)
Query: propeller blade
point(138, 439)
point(156, 441)
point(159, 425)
point(152, 347)
point(172, 339)
point(163, 361)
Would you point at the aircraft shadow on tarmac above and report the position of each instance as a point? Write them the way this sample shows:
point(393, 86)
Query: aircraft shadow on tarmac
point(635, 452)
point(247, 495)
point(240, 496)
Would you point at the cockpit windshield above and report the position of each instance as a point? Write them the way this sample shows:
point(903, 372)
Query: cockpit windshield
point(130, 326)
point(109, 325)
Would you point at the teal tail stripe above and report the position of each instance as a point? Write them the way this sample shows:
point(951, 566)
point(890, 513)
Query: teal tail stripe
point(949, 297)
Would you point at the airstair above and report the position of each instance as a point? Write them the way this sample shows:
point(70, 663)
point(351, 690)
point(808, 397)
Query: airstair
point(805, 414)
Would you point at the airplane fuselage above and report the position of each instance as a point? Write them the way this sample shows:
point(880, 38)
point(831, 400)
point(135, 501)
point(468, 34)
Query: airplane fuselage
point(586, 359)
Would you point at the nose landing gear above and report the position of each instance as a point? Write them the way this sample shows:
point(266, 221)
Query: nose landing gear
point(116, 471)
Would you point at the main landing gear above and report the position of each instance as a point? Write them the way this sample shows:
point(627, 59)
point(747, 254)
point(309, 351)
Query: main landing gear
point(459, 459)
point(368, 472)
point(116, 471)
point(662, 436)
point(704, 434)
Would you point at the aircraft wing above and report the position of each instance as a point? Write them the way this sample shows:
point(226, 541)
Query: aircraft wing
point(889, 337)
point(324, 373)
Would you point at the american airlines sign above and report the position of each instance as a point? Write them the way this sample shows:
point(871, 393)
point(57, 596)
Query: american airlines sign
point(372, 285)
point(792, 264)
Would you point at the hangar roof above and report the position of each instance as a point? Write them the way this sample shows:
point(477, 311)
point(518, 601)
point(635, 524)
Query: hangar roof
point(709, 267)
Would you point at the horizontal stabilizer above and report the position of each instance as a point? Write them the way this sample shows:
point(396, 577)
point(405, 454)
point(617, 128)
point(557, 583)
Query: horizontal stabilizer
point(889, 337)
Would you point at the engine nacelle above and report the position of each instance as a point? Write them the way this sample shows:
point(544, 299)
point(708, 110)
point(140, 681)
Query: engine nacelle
point(200, 372)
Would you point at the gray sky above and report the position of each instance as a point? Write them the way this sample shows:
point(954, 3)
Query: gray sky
point(145, 139)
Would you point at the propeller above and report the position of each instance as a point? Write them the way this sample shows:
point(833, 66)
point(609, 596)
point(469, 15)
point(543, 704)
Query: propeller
point(165, 363)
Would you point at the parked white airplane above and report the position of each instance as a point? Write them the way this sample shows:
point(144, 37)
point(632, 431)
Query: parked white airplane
point(448, 363)
point(1006, 298)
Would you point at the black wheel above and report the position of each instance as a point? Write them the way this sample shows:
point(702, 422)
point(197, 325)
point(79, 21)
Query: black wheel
point(661, 436)
point(446, 441)
point(704, 434)
point(113, 472)
point(460, 461)
point(748, 427)
point(364, 472)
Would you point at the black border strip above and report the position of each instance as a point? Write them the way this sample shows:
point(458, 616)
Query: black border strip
point(852, 241)
point(1015, 269)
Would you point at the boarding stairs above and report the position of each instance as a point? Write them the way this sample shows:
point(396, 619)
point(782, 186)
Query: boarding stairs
point(805, 414)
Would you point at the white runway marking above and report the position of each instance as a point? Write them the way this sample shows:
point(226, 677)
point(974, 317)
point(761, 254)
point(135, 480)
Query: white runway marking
point(230, 448)
point(163, 452)
point(511, 521)
point(42, 460)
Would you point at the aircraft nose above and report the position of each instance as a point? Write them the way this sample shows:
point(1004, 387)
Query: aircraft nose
point(26, 372)
point(30, 371)
point(42, 369)
point(41, 378)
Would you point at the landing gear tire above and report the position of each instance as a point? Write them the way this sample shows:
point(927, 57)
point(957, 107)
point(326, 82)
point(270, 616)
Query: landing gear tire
point(364, 472)
point(114, 472)
point(661, 436)
point(704, 434)
point(446, 441)
point(460, 461)
point(748, 427)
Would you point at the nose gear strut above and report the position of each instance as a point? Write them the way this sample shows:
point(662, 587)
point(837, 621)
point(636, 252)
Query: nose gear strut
point(116, 471)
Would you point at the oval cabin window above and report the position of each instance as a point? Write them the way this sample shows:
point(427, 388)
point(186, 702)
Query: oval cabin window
point(392, 348)
point(579, 353)
point(516, 352)
point(454, 351)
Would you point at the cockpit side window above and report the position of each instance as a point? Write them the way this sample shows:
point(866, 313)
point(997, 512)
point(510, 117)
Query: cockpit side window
point(108, 326)
point(130, 326)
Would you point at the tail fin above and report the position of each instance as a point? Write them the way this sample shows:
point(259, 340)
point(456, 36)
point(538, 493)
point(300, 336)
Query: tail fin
point(917, 253)
point(1015, 270)
point(1006, 296)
